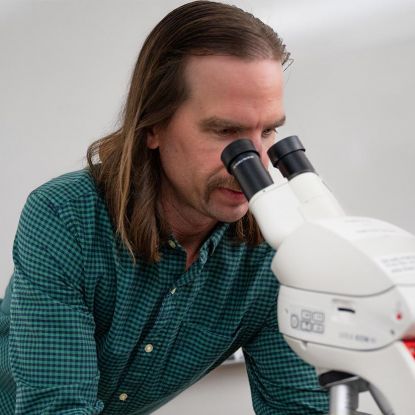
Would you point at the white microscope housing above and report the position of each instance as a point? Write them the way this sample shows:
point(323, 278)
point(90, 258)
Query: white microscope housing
point(347, 284)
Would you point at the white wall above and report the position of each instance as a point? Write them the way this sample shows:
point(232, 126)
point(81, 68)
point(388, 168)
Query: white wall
point(65, 65)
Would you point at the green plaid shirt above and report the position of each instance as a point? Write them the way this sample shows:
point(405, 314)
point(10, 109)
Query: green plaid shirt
point(84, 331)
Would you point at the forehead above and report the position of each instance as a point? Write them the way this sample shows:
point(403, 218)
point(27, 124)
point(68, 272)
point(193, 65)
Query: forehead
point(234, 87)
point(219, 70)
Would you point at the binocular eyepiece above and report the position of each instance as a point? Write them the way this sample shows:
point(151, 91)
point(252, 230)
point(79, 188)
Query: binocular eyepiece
point(242, 160)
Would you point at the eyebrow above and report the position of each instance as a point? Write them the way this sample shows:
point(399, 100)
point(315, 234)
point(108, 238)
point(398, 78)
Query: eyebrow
point(216, 123)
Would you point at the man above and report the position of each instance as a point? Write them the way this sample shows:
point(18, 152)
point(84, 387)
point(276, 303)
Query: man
point(137, 276)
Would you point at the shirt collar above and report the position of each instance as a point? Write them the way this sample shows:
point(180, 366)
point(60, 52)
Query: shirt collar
point(215, 237)
point(209, 246)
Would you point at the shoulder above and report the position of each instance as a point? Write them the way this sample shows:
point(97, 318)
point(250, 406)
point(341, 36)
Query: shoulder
point(67, 188)
point(64, 233)
point(71, 201)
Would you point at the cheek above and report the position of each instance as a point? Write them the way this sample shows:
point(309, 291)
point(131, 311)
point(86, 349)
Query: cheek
point(184, 170)
point(174, 159)
point(193, 163)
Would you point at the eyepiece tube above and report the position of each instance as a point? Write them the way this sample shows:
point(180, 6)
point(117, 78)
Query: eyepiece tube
point(242, 160)
point(288, 156)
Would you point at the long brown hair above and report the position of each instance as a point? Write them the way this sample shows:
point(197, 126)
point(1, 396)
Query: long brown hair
point(125, 170)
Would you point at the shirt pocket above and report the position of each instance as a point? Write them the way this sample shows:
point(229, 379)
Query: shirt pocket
point(194, 353)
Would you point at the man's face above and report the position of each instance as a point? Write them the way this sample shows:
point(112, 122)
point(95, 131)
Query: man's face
point(229, 98)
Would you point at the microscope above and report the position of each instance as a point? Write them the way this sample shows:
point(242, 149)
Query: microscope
point(346, 303)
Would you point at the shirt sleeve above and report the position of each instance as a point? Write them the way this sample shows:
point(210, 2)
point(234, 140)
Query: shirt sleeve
point(281, 383)
point(52, 348)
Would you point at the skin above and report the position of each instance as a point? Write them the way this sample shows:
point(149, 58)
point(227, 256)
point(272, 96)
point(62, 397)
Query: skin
point(230, 98)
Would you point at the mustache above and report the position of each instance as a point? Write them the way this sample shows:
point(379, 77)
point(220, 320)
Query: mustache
point(227, 182)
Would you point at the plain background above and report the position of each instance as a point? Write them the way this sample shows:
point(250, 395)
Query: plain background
point(64, 72)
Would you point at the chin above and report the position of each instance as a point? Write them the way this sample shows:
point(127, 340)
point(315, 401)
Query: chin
point(234, 216)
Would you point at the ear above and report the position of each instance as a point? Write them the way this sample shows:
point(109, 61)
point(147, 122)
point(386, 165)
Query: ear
point(153, 138)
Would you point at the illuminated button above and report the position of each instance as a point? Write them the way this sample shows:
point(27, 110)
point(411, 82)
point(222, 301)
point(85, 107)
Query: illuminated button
point(148, 348)
point(123, 397)
point(173, 290)
point(172, 244)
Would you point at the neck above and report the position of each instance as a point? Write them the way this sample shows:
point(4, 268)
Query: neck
point(188, 229)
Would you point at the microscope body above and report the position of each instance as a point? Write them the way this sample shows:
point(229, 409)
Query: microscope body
point(347, 284)
point(347, 294)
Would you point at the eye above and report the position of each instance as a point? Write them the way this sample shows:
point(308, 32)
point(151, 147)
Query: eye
point(269, 132)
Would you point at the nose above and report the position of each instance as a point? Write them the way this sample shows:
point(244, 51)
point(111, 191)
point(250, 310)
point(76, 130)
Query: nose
point(258, 142)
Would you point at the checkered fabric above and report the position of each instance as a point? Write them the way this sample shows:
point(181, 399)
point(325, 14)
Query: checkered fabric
point(84, 331)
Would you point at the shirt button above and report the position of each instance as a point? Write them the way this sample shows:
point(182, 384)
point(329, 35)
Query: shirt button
point(148, 348)
point(123, 397)
point(172, 244)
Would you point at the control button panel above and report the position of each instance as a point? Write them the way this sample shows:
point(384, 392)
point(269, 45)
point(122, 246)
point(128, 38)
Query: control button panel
point(310, 321)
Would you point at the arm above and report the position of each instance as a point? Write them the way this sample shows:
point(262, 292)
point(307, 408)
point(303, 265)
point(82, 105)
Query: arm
point(281, 383)
point(52, 348)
